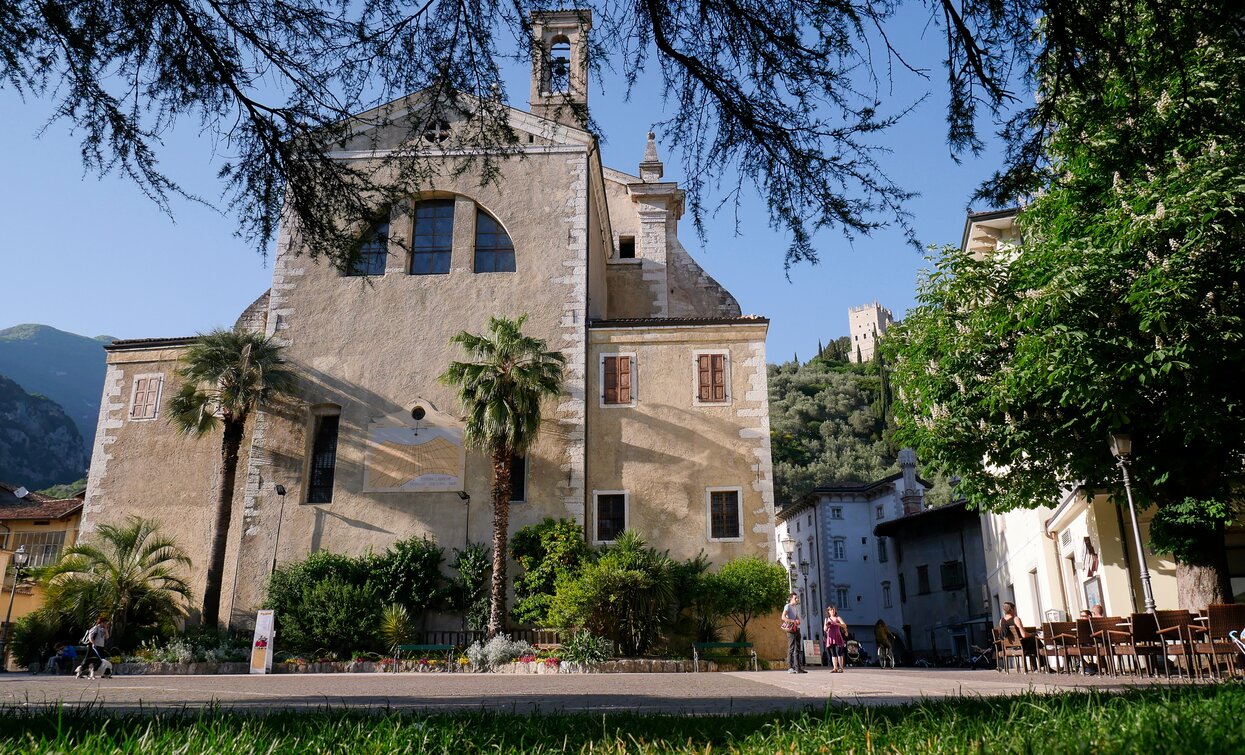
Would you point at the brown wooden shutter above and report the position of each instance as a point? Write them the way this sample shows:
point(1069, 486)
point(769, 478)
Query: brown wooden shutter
point(718, 371)
point(705, 368)
point(609, 387)
point(624, 379)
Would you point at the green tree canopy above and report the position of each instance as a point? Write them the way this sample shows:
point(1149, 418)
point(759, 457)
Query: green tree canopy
point(749, 587)
point(1122, 310)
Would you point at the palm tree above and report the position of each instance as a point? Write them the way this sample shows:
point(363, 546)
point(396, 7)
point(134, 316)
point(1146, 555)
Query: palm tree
point(226, 374)
point(500, 392)
point(129, 573)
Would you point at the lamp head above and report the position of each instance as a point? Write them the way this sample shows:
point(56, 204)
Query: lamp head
point(463, 495)
point(1121, 445)
point(20, 557)
point(804, 568)
point(788, 545)
point(280, 490)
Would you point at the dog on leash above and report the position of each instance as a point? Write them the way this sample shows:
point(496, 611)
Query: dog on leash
point(105, 670)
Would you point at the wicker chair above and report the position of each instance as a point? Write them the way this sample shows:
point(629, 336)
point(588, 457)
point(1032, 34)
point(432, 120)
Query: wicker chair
point(1008, 646)
point(1175, 631)
point(1213, 641)
point(1138, 641)
point(1057, 638)
point(1106, 630)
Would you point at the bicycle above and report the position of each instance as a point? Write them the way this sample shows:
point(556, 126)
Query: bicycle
point(886, 657)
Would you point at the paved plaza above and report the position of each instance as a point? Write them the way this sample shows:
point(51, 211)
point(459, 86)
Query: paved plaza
point(718, 693)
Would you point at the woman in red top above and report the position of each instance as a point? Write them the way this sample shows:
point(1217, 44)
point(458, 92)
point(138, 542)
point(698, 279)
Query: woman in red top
point(835, 631)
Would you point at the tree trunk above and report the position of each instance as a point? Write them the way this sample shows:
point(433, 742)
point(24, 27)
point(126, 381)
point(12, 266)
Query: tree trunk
point(501, 529)
point(1204, 580)
point(230, 444)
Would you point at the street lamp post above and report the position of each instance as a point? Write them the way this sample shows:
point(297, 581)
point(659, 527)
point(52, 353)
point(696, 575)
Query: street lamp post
point(19, 561)
point(276, 540)
point(1122, 449)
point(808, 604)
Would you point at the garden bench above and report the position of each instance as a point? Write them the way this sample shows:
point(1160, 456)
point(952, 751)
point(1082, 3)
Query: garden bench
point(722, 654)
point(447, 649)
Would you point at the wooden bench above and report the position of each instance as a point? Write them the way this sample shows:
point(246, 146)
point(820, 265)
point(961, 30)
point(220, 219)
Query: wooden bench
point(447, 649)
point(698, 656)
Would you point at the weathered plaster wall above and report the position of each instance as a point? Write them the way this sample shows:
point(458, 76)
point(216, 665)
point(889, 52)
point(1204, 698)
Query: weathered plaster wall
point(665, 451)
point(147, 468)
point(376, 346)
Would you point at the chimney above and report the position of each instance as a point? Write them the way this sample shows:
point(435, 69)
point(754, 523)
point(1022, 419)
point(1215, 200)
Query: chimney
point(911, 492)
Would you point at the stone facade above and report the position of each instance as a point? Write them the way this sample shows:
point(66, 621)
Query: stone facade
point(368, 350)
point(866, 324)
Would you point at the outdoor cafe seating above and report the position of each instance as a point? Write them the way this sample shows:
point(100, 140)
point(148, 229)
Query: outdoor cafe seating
point(1168, 643)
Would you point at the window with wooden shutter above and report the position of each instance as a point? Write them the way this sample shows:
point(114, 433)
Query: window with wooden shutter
point(616, 379)
point(711, 378)
point(146, 396)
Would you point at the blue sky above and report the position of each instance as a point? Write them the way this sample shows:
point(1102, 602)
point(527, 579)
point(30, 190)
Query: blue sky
point(94, 256)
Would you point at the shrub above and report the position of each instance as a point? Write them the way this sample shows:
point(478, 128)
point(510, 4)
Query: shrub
point(546, 552)
point(395, 627)
point(627, 595)
point(333, 615)
point(501, 649)
point(33, 637)
point(409, 573)
point(586, 648)
point(475, 567)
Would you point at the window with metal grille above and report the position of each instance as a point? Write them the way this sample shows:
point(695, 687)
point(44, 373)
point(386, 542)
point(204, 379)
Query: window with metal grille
point(616, 379)
point(952, 573)
point(42, 548)
point(145, 401)
point(518, 479)
point(494, 252)
point(373, 251)
point(922, 580)
point(433, 237)
point(611, 516)
point(724, 514)
point(711, 378)
point(323, 460)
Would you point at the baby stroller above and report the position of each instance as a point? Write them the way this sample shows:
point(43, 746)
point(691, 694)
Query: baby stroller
point(855, 654)
point(1238, 639)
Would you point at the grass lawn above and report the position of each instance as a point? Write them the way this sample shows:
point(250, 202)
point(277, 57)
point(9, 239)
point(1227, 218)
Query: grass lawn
point(1176, 720)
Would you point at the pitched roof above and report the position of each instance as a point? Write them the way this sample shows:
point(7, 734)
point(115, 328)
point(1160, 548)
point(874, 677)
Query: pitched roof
point(148, 343)
point(34, 505)
point(922, 517)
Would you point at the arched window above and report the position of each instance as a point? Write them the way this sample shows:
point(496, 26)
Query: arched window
point(373, 251)
point(560, 65)
point(433, 237)
point(494, 252)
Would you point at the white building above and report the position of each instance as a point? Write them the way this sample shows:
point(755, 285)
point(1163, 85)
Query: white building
point(866, 324)
point(831, 530)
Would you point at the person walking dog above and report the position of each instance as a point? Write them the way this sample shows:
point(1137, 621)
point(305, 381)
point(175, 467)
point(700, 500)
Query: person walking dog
point(95, 639)
point(791, 625)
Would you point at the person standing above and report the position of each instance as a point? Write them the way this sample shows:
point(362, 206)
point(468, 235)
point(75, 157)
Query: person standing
point(835, 631)
point(95, 639)
point(791, 625)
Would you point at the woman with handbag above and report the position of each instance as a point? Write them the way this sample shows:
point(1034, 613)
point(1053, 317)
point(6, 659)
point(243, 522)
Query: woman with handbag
point(835, 631)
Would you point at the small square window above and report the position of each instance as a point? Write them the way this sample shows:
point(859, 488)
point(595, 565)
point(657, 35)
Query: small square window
point(836, 512)
point(611, 515)
point(626, 247)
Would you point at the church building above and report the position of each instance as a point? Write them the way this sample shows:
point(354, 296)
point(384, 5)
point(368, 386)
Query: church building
point(662, 426)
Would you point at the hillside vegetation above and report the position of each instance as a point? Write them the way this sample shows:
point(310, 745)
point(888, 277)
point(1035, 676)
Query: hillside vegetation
point(39, 444)
point(65, 367)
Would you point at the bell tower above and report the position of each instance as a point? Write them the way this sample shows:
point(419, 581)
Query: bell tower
point(560, 65)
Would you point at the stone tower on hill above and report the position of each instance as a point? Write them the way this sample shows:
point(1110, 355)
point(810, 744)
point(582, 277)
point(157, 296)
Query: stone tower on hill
point(867, 323)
